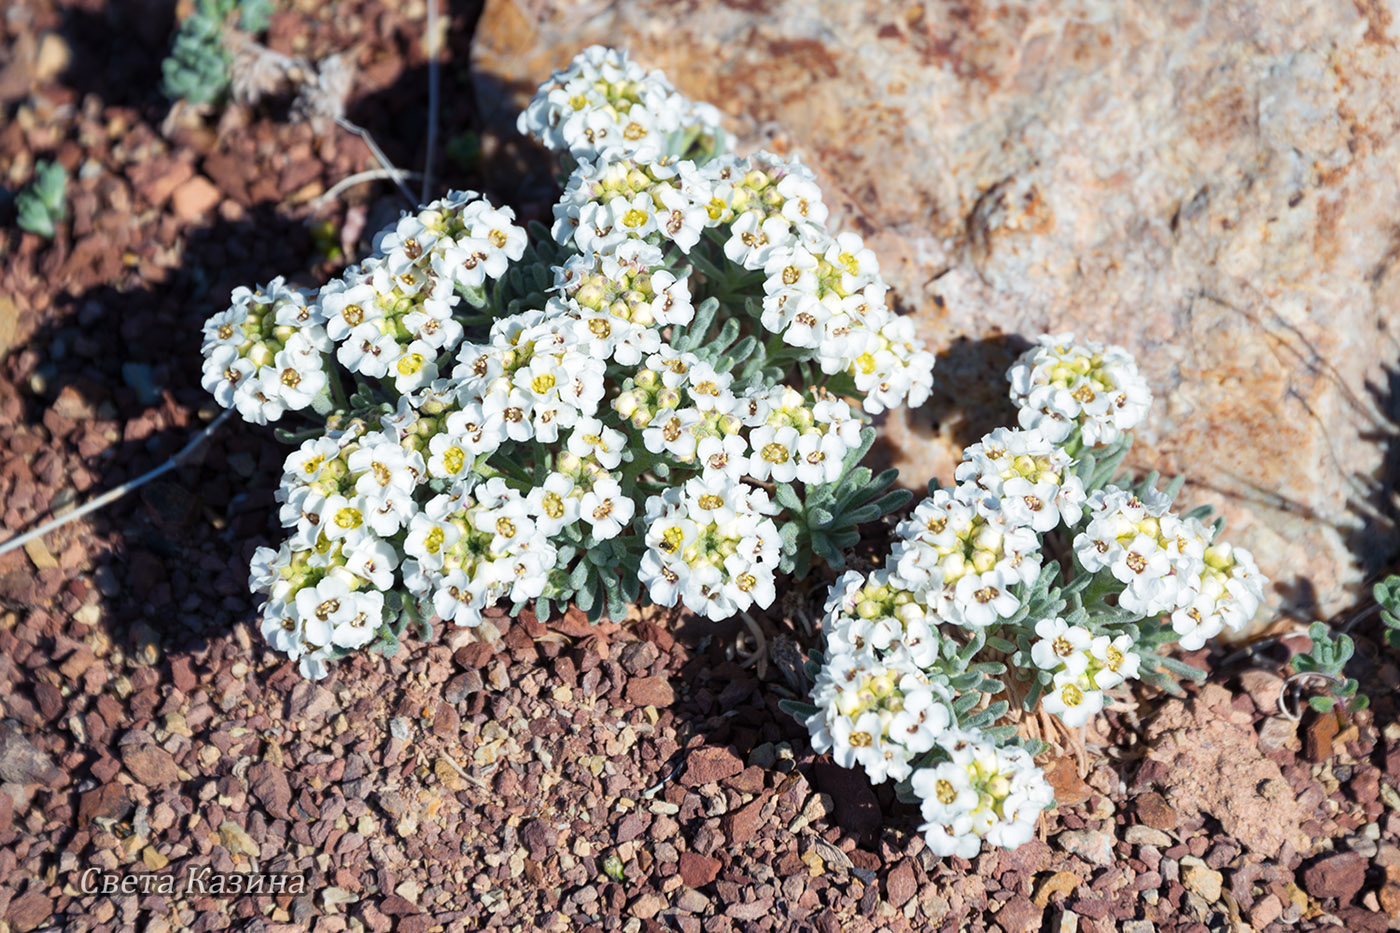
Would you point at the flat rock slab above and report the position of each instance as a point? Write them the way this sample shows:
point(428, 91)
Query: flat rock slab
point(1210, 186)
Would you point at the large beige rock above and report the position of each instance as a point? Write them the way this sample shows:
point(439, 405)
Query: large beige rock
point(1212, 185)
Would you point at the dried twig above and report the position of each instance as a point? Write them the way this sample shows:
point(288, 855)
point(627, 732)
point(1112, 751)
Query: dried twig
point(394, 172)
point(373, 174)
point(1292, 688)
point(758, 660)
point(434, 80)
point(113, 495)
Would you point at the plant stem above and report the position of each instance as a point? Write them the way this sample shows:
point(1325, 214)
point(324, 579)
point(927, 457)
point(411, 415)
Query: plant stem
point(114, 494)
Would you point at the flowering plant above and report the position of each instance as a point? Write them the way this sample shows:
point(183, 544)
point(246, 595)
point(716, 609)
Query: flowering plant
point(1035, 584)
point(656, 391)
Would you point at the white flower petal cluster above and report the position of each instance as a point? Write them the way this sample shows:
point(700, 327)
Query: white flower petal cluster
point(1024, 475)
point(1152, 552)
point(325, 585)
point(1083, 664)
point(971, 557)
point(822, 291)
point(1059, 385)
point(392, 316)
point(875, 614)
point(984, 791)
point(463, 465)
point(878, 715)
point(264, 354)
point(468, 551)
point(604, 101)
point(711, 545)
point(1226, 594)
point(967, 554)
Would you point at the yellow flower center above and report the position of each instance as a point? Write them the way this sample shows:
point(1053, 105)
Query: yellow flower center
point(349, 518)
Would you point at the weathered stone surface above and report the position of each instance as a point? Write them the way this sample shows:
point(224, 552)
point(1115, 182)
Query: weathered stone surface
point(1210, 185)
point(1202, 763)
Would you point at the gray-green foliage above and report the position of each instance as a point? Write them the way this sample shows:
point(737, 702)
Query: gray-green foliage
point(1328, 659)
point(1387, 594)
point(197, 68)
point(41, 205)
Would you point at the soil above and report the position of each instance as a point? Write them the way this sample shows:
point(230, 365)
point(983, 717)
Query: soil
point(556, 776)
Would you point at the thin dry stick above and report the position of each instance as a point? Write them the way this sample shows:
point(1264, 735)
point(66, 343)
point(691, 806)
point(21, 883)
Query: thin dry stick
point(373, 174)
point(394, 172)
point(434, 79)
point(113, 495)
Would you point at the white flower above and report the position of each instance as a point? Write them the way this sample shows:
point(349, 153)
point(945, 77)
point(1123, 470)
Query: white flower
point(368, 351)
point(1073, 699)
point(680, 219)
point(673, 432)
point(428, 539)
point(726, 455)
point(259, 399)
point(224, 372)
point(343, 518)
point(448, 459)
point(774, 454)
point(375, 561)
point(606, 509)
point(414, 368)
point(299, 377)
point(1060, 384)
point(349, 302)
point(553, 506)
point(819, 457)
point(1061, 646)
point(324, 607)
point(360, 628)
point(1114, 661)
point(592, 438)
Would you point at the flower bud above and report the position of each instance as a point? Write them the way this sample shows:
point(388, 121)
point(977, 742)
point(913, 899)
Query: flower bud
point(590, 296)
point(756, 180)
point(626, 403)
point(260, 354)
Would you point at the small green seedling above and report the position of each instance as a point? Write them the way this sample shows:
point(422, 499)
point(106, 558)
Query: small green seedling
point(1328, 659)
point(41, 205)
point(197, 68)
point(1387, 594)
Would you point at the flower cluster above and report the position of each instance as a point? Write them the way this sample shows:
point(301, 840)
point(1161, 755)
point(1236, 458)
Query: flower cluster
point(603, 102)
point(982, 791)
point(822, 292)
point(668, 389)
point(1036, 566)
point(1060, 386)
point(264, 355)
point(1083, 665)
